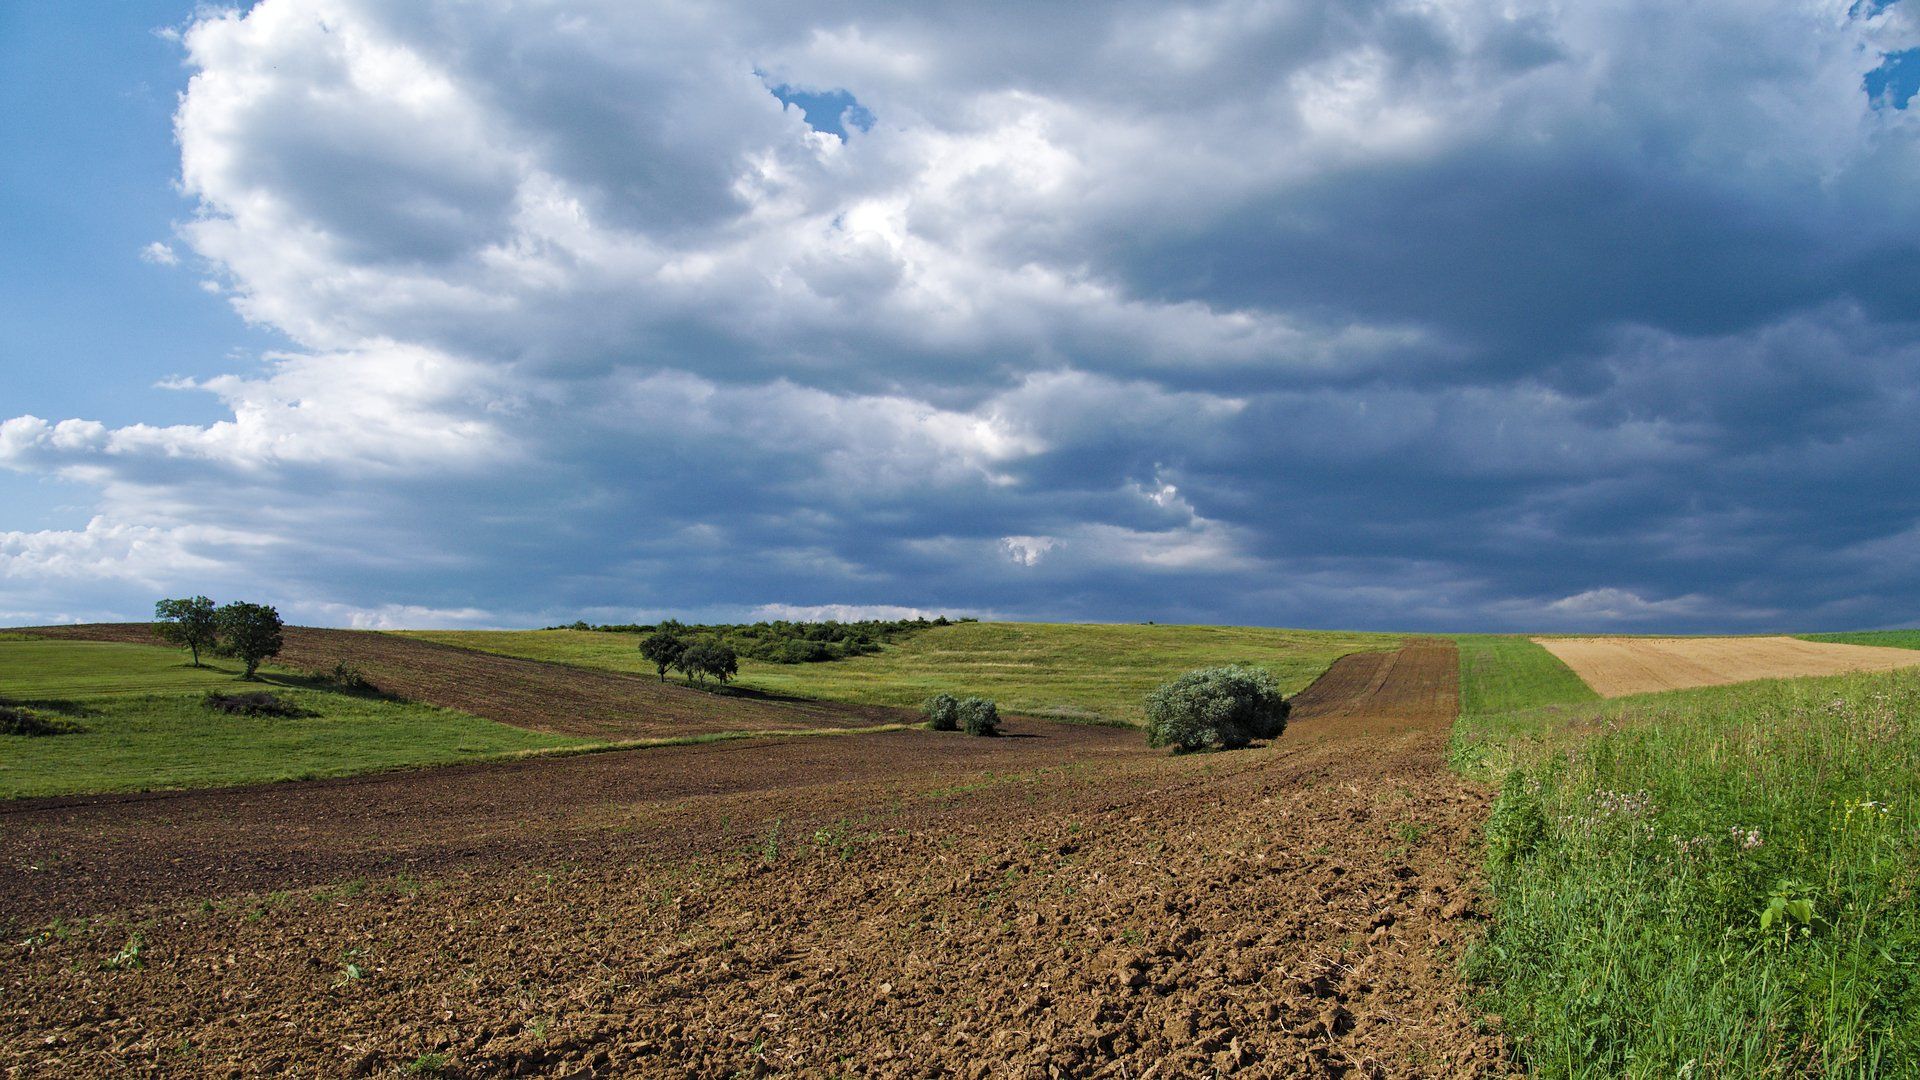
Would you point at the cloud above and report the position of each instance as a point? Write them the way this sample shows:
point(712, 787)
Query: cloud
point(1389, 314)
point(1027, 550)
point(159, 254)
point(840, 612)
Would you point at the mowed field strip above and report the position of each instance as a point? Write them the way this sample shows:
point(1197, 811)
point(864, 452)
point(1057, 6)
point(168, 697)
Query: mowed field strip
point(1616, 667)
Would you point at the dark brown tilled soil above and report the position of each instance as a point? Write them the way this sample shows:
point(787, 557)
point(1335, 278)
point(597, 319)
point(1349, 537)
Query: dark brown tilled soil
point(71, 856)
point(529, 693)
point(903, 905)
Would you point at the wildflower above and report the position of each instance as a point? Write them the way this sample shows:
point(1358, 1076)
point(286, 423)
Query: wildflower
point(1624, 803)
point(1748, 839)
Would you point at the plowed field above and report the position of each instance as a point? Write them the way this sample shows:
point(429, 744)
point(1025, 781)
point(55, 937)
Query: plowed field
point(1615, 667)
point(910, 904)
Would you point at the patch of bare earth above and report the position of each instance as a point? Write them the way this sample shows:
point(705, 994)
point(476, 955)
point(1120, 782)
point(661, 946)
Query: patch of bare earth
point(530, 693)
point(1615, 667)
point(915, 904)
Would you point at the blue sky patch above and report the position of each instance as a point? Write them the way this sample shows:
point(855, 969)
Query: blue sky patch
point(831, 111)
point(1896, 80)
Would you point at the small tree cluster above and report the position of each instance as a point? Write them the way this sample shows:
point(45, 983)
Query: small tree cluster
point(698, 658)
point(251, 633)
point(704, 659)
point(974, 715)
point(1216, 708)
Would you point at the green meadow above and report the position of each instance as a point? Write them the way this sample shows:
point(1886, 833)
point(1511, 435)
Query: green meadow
point(1082, 672)
point(1716, 882)
point(1895, 639)
point(143, 727)
point(1502, 673)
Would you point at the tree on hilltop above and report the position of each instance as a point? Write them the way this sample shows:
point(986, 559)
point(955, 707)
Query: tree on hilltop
point(188, 623)
point(251, 632)
point(663, 649)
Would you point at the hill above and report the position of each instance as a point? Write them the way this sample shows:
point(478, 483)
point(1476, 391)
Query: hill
point(1066, 671)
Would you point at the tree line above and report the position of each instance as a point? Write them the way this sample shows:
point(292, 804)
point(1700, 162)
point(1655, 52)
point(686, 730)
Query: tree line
point(782, 641)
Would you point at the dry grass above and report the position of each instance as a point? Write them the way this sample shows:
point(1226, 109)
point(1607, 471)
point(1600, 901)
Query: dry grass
point(1616, 667)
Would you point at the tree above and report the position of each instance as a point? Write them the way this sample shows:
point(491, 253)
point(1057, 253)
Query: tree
point(663, 650)
point(251, 632)
point(1217, 708)
point(188, 623)
point(704, 658)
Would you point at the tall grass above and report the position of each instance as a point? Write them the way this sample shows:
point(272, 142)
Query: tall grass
point(1637, 848)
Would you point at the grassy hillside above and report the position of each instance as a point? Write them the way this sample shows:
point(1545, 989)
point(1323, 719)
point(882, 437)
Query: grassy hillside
point(1068, 671)
point(1638, 844)
point(144, 727)
point(1500, 673)
point(1893, 639)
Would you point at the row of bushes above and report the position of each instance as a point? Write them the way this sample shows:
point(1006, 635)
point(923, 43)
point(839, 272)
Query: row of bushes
point(974, 715)
point(1219, 708)
point(781, 641)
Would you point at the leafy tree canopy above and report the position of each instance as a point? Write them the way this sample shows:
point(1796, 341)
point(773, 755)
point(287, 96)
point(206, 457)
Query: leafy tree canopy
point(188, 623)
point(251, 632)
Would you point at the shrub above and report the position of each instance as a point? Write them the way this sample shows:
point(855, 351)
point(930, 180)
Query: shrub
point(346, 676)
point(943, 712)
point(258, 703)
point(979, 716)
point(1216, 708)
point(26, 722)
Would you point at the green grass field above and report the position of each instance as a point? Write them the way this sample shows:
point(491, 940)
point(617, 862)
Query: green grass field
point(1893, 639)
point(1636, 844)
point(144, 727)
point(1084, 672)
point(1501, 673)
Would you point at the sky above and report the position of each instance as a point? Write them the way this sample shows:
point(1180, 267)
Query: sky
point(1434, 315)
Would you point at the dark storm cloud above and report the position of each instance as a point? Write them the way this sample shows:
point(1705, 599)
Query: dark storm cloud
point(1366, 313)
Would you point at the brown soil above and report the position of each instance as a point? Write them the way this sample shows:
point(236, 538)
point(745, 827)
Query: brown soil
point(1615, 667)
point(908, 904)
point(530, 693)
